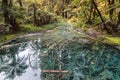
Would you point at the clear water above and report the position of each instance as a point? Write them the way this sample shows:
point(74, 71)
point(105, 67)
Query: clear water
point(83, 60)
point(20, 62)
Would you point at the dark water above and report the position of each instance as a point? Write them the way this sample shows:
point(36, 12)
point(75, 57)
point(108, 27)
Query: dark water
point(83, 61)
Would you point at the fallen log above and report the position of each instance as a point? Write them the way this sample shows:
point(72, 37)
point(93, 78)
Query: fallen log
point(11, 45)
point(54, 71)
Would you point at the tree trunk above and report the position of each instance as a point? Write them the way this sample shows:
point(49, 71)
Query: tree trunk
point(10, 4)
point(15, 25)
point(34, 14)
point(62, 8)
point(118, 22)
point(98, 11)
point(118, 18)
point(9, 19)
point(100, 16)
point(89, 21)
point(20, 3)
point(111, 2)
point(5, 11)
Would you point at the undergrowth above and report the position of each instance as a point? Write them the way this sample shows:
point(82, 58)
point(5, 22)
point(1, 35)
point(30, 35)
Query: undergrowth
point(4, 38)
point(30, 28)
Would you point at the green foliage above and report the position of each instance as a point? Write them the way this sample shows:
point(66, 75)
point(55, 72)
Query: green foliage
point(82, 24)
point(30, 28)
point(75, 2)
point(51, 26)
point(4, 38)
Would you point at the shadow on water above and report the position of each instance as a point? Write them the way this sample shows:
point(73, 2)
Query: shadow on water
point(60, 56)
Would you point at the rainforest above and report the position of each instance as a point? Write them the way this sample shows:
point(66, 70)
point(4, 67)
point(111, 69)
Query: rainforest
point(59, 39)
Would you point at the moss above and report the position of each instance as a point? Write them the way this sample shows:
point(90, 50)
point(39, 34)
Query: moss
point(4, 38)
point(28, 28)
point(50, 26)
point(112, 40)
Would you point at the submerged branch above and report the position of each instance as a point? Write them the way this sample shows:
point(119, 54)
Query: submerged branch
point(54, 71)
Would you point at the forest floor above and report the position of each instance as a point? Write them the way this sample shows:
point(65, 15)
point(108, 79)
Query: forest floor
point(103, 37)
point(96, 34)
point(93, 32)
point(25, 30)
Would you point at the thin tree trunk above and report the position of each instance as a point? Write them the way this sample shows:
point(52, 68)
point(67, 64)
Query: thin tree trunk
point(11, 4)
point(98, 11)
point(9, 19)
point(118, 18)
point(5, 11)
point(118, 22)
point(63, 2)
point(20, 3)
point(91, 11)
point(100, 16)
point(34, 14)
point(111, 2)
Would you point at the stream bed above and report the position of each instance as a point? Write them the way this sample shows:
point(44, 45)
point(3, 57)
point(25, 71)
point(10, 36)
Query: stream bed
point(59, 55)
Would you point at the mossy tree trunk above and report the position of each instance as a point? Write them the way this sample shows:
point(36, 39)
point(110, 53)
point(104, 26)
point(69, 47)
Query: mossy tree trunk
point(110, 3)
point(5, 10)
point(34, 14)
point(9, 18)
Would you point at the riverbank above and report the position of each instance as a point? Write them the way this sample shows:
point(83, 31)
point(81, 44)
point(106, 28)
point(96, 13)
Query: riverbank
point(100, 36)
point(27, 29)
point(30, 30)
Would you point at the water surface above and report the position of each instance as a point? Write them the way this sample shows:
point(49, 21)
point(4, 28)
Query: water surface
point(60, 50)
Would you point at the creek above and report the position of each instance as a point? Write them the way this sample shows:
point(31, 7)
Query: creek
point(61, 54)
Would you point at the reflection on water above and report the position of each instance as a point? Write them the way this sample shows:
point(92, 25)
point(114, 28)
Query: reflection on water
point(59, 51)
point(82, 61)
point(20, 62)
